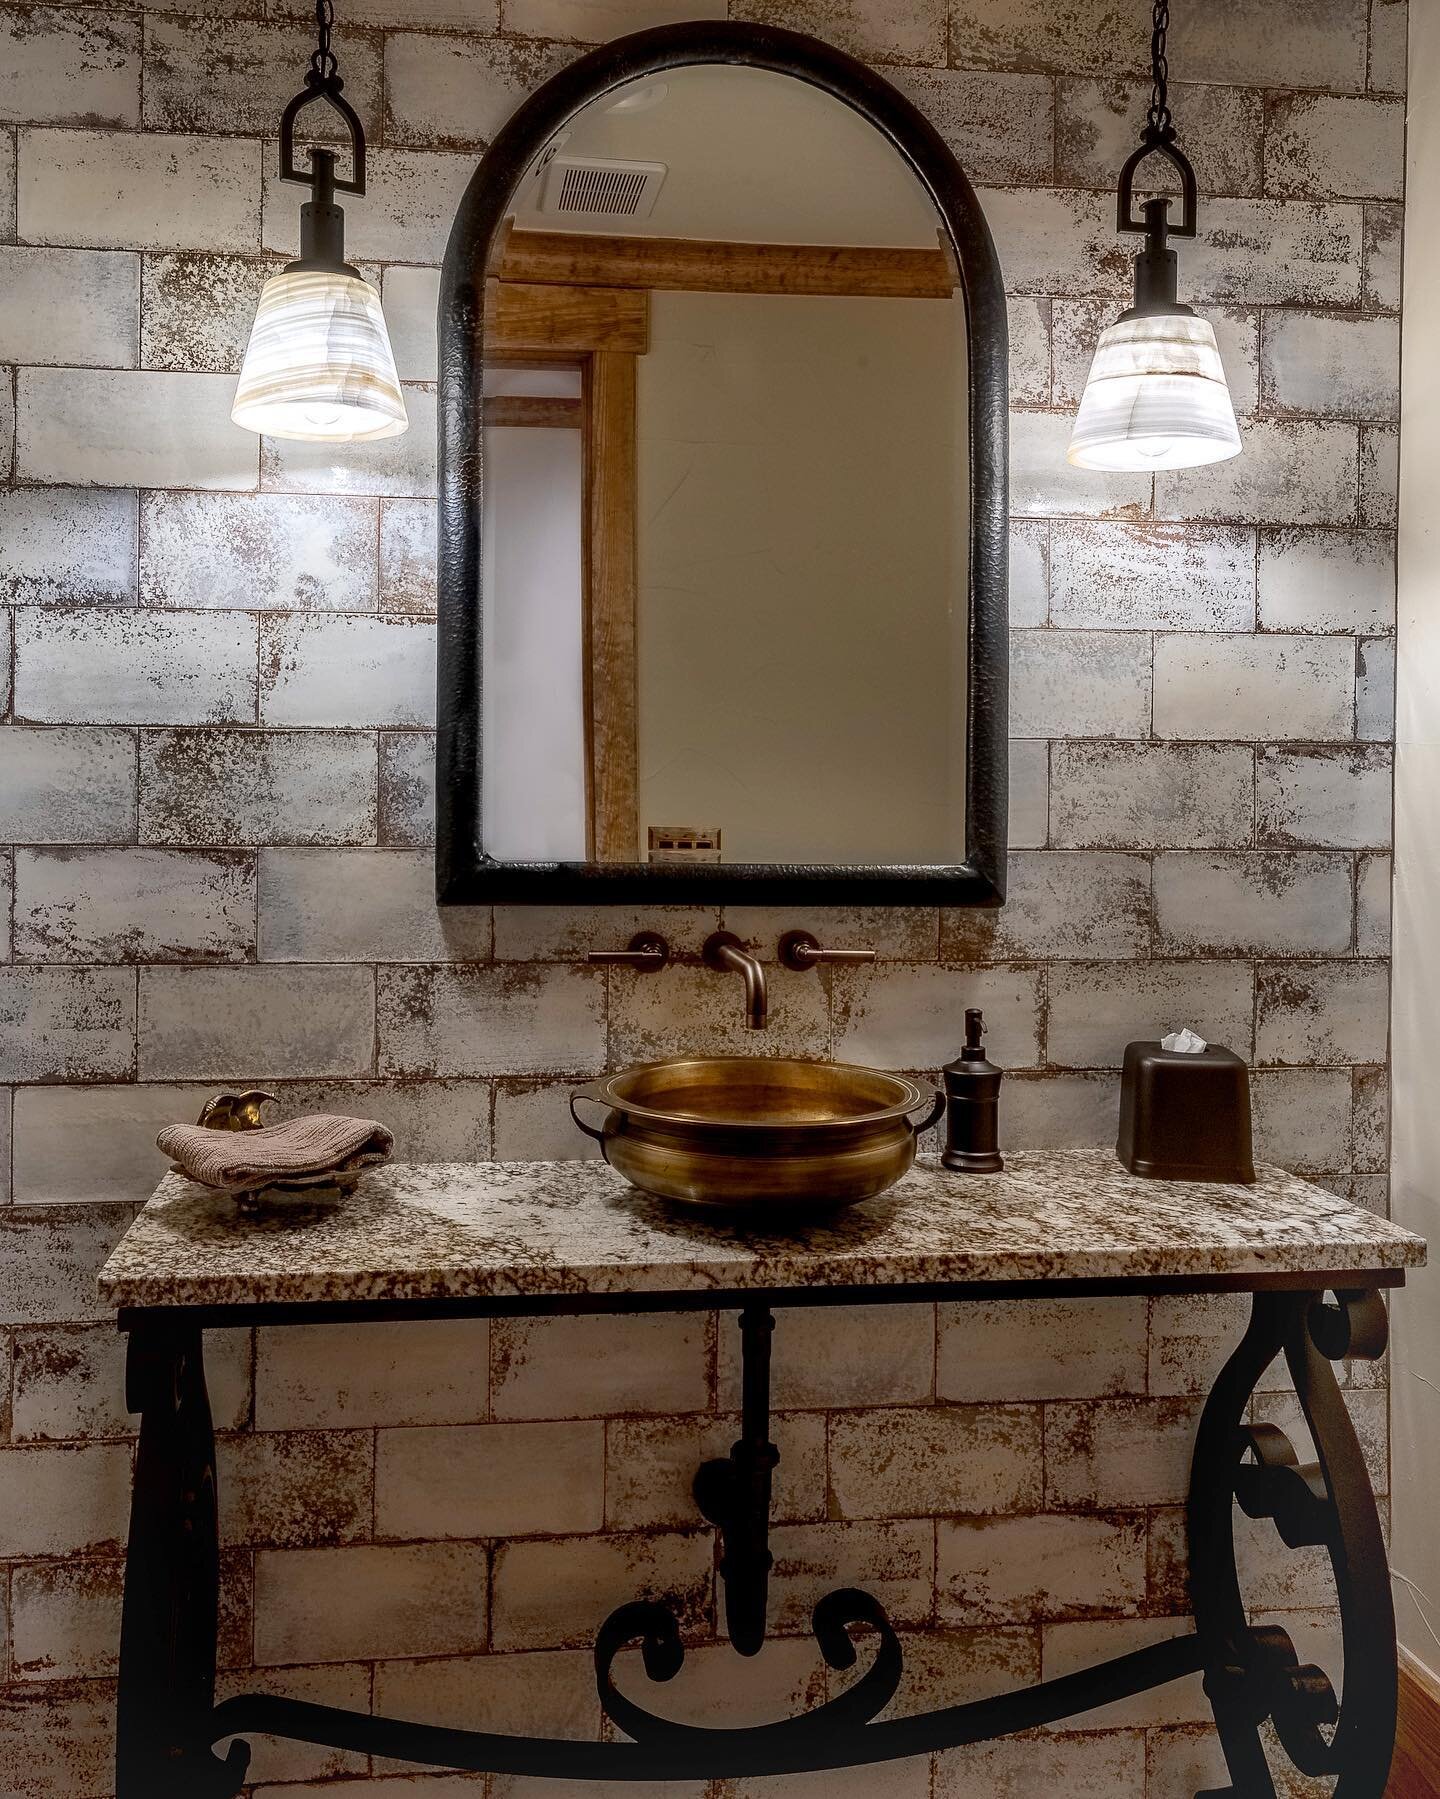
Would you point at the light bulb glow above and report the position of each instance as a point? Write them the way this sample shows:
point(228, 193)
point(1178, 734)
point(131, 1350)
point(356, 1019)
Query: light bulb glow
point(1156, 398)
point(319, 365)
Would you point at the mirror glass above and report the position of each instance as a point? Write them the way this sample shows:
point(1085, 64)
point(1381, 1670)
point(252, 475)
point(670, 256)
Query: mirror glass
point(725, 526)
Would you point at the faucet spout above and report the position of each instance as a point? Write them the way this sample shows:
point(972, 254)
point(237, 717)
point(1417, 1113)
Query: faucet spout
point(724, 951)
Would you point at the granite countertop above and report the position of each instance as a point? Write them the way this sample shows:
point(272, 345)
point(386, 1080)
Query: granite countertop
point(512, 1229)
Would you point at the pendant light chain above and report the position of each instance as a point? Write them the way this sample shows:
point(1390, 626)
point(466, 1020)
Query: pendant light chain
point(1161, 123)
point(324, 64)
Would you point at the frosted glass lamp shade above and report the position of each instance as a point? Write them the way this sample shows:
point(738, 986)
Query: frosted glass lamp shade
point(319, 365)
point(1156, 398)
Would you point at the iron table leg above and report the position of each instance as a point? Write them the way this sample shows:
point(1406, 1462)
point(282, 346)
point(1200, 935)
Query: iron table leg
point(1252, 1674)
point(172, 1582)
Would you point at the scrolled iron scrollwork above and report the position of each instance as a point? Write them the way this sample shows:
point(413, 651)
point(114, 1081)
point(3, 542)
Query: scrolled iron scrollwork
point(1252, 1673)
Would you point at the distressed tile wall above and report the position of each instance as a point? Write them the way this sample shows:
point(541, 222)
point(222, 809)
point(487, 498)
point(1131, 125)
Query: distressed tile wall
point(216, 779)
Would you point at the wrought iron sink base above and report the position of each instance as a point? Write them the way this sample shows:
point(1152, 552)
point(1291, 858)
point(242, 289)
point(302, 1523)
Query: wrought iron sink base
point(169, 1723)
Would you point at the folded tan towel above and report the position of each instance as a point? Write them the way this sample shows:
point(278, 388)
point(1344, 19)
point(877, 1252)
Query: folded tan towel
point(304, 1150)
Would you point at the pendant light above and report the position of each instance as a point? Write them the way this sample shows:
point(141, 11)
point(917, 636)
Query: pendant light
point(1156, 397)
point(319, 365)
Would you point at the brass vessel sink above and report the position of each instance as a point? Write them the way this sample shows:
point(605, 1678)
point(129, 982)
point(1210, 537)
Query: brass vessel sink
point(746, 1134)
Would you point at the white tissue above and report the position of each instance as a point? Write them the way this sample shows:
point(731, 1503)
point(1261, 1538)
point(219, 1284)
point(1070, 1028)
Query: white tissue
point(1186, 1041)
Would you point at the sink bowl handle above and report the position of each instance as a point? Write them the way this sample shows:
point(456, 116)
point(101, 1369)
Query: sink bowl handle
point(937, 1106)
point(596, 1098)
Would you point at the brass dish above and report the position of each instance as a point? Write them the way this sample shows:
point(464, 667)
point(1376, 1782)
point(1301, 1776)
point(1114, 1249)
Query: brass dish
point(746, 1133)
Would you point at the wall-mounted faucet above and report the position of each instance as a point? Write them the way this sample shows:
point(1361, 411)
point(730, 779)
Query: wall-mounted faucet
point(724, 951)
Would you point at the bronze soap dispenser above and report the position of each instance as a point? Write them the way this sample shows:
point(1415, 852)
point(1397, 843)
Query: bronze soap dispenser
point(972, 1105)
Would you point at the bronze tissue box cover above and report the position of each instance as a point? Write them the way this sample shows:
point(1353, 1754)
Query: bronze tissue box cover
point(1185, 1117)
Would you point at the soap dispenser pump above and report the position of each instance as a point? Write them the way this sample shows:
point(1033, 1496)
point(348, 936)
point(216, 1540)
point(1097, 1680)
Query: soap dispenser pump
point(972, 1105)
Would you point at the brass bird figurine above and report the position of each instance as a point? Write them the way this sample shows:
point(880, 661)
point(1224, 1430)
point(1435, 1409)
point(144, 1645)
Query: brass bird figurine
point(235, 1111)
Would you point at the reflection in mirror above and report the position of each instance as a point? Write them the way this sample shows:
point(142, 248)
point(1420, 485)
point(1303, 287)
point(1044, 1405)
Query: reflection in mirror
point(725, 518)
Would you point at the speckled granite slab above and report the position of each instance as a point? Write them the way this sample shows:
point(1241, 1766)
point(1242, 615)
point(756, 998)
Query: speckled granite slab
point(509, 1229)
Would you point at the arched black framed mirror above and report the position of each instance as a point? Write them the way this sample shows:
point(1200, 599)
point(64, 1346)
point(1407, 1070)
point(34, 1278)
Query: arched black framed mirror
point(723, 492)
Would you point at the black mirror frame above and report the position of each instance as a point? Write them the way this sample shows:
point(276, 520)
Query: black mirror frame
point(465, 875)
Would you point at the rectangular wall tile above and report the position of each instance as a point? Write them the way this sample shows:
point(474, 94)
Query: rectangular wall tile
point(1057, 903)
point(66, 785)
point(883, 31)
point(490, 1480)
point(1237, 686)
point(1303, 1118)
point(597, 21)
point(555, 1595)
point(1152, 577)
point(407, 789)
point(914, 1017)
point(419, 1372)
point(1277, 253)
point(1375, 689)
point(134, 905)
point(67, 546)
point(650, 1467)
point(257, 551)
point(1334, 145)
point(1009, 1349)
point(569, 933)
point(1324, 798)
point(975, 113)
point(70, 1379)
point(215, 786)
point(214, 75)
point(346, 671)
point(901, 1462)
point(67, 1024)
point(400, 467)
point(1152, 795)
point(361, 905)
point(407, 556)
point(63, 66)
point(70, 306)
point(1012, 1570)
point(136, 191)
point(1289, 473)
point(1327, 1013)
point(66, 1619)
point(1097, 1008)
point(588, 1367)
point(296, 1489)
point(369, 1602)
point(896, 1557)
point(1288, 905)
point(657, 1015)
point(866, 1356)
point(49, 1257)
point(199, 308)
point(1331, 365)
point(454, 93)
point(1044, 485)
point(480, 1021)
point(1097, 121)
point(1118, 1452)
point(65, 1501)
point(247, 1023)
point(1080, 684)
point(124, 667)
point(1322, 581)
point(95, 428)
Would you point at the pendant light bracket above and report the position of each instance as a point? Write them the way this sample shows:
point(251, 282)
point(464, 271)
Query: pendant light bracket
point(322, 222)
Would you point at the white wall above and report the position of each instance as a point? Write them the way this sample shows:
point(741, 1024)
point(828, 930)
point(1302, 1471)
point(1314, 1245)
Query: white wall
point(1415, 1168)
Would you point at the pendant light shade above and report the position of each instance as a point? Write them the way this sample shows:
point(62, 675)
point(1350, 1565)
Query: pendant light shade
point(1157, 396)
point(319, 365)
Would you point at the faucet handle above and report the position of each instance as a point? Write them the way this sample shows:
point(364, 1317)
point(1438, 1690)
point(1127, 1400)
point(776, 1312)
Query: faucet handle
point(647, 953)
point(800, 950)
